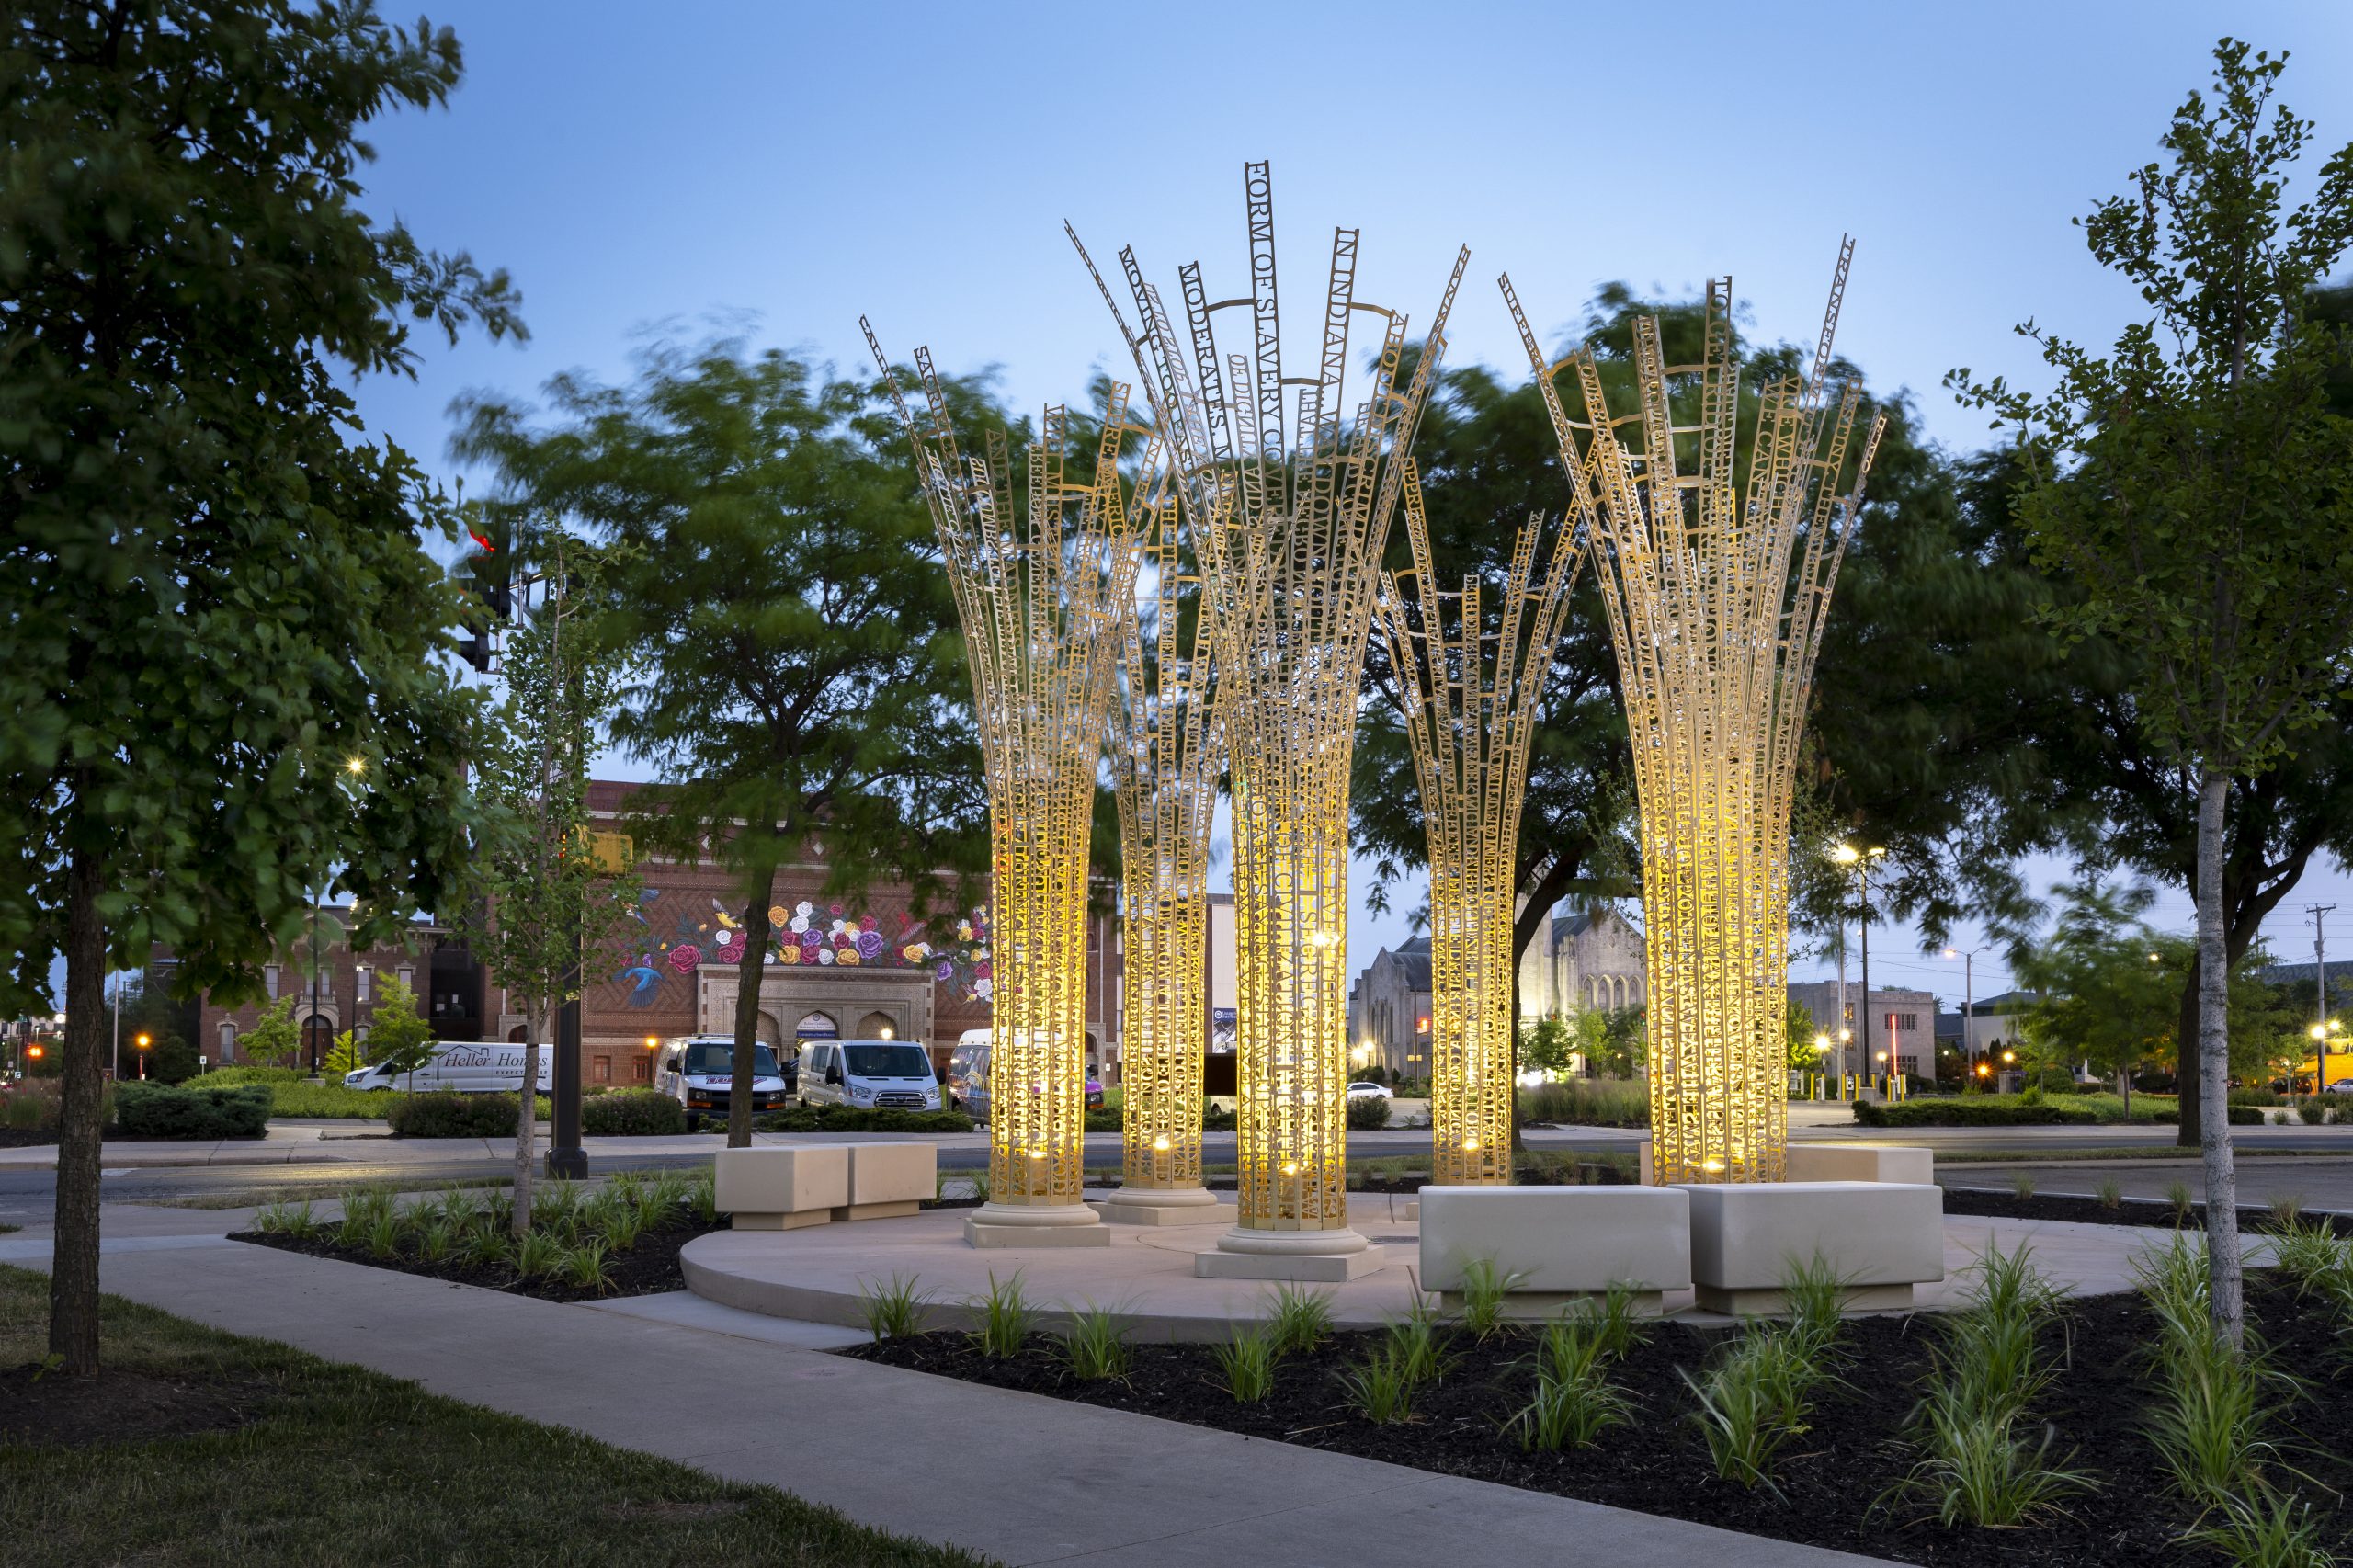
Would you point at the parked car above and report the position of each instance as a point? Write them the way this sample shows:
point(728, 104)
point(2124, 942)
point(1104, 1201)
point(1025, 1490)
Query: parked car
point(1368, 1092)
point(2341, 1086)
point(968, 1077)
point(698, 1072)
point(880, 1074)
point(467, 1066)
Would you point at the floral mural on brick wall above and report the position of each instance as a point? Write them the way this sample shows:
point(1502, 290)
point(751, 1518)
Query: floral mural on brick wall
point(806, 933)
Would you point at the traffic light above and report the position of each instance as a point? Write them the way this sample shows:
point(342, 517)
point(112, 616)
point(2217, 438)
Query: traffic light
point(488, 569)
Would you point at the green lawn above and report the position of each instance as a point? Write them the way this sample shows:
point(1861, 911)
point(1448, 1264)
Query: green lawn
point(348, 1466)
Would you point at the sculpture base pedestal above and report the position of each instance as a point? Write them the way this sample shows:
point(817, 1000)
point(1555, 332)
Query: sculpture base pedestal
point(1314, 1258)
point(1035, 1225)
point(1166, 1206)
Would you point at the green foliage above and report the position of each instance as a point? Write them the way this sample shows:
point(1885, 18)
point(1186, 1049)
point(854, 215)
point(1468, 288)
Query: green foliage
point(2020, 1110)
point(1547, 1046)
point(292, 1220)
point(2022, 1183)
point(1417, 1346)
point(345, 1056)
point(1095, 1347)
point(2108, 1193)
point(1301, 1321)
point(862, 1118)
point(585, 1267)
point(1245, 1363)
point(1587, 1102)
point(161, 1111)
point(445, 1113)
point(2215, 1400)
point(397, 1038)
point(1484, 1289)
point(631, 1112)
point(538, 1253)
point(2270, 1531)
point(273, 1042)
point(1380, 1388)
point(1006, 1318)
point(1798, 1030)
point(2184, 1202)
point(892, 1309)
point(1365, 1113)
point(222, 1077)
point(1574, 1402)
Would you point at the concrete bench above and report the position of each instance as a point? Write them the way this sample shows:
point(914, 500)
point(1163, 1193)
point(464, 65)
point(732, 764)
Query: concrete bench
point(888, 1179)
point(783, 1189)
point(1882, 1238)
point(1565, 1243)
point(1860, 1161)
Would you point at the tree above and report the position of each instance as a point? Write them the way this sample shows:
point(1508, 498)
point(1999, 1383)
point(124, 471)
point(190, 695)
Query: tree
point(345, 1057)
point(222, 678)
point(796, 676)
point(2102, 991)
point(1798, 1030)
point(551, 898)
point(397, 1037)
point(1547, 1046)
point(273, 1042)
point(2207, 502)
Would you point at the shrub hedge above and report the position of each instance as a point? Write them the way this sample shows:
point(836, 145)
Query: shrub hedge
point(2012, 1111)
point(1367, 1112)
point(445, 1113)
point(632, 1113)
point(163, 1110)
point(856, 1118)
point(224, 1077)
point(1216, 1119)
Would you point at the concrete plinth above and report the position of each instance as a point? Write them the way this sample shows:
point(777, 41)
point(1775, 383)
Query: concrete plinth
point(1035, 1225)
point(1772, 1303)
point(1879, 1238)
point(792, 1222)
point(896, 1209)
point(1166, 1206)
point(1543, 1306)
point(1307, 1256)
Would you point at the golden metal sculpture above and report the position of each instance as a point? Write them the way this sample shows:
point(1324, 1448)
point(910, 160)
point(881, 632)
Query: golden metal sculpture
point(1040, 595)
point(1470, 671)
point(1717, 591)
point(1290, 506)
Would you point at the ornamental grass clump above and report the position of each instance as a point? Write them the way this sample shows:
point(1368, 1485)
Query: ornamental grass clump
point(1095, 1347)
point(538, 1253)
point(2215, 1400)
point(1245, 1363)
point(2271, 1531)
point(1006, 1317)
point(1983, 1463)
point(2022, 1183)
point(1300, 1320)
point(1757, 1394)
point(1380, 1388)
point(2184, 1202)
point(1484, 1288)
point(1574, 1402)
point(893, 1308)
point(2109, 1193)
point(293, 1221)
point(1417, 1346)
point(586, 1267)
point(2309, 1258)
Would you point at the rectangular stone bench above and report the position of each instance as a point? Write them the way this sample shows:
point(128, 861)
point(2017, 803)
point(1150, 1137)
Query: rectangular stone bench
point(1860, 1161)
point(783, 1189)
point(888, 1179)
point(1565, 1243)
point(1882, 1238)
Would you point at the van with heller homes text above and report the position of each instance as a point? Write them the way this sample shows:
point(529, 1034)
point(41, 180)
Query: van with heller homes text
point(469, 1066)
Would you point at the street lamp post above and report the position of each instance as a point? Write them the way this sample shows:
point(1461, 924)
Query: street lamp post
point(1860, 860)
point(143, 1041)
point(1968, 990)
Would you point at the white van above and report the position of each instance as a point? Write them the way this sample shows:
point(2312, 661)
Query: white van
point(887, 1074)
point(698, 1072)
point(469, 1066)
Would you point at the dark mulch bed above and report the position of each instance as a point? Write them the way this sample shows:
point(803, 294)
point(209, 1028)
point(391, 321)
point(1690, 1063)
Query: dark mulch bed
point(648, 1268)
point(1835, 1481)
point(2091, 1211)
point(53, 1409)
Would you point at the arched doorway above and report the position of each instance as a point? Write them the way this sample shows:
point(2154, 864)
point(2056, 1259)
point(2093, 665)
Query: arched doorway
point(514, 1036)
point(817, 1026)
point(318, 1038)
point(877, 1025)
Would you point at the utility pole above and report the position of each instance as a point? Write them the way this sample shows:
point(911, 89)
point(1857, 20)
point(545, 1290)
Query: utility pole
point(1968, 990)
point(2320, 994)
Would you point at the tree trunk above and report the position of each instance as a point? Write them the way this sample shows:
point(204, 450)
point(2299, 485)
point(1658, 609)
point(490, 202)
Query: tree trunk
point(756, 931)
point(73, 1267)
point(2214, 1062)
point(527, 1111)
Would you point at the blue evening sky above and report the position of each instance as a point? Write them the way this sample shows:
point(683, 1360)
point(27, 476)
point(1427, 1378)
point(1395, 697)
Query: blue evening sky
point(780, 169)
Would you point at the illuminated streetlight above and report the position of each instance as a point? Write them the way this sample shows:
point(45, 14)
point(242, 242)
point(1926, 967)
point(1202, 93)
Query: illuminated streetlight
point(357, 765)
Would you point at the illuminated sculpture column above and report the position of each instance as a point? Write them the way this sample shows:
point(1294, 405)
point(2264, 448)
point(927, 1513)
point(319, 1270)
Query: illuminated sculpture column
point(1470, 671)
point(1165, 763)
point(1041, 597)
point(1311, 488)
point(1717, 584)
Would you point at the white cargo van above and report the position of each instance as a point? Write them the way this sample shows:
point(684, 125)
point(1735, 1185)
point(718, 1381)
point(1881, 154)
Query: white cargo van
point(883, 1074)
point(698, 1072)
point(469, 1066)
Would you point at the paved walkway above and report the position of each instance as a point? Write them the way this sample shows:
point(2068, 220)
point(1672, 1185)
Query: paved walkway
point(1023, 1478)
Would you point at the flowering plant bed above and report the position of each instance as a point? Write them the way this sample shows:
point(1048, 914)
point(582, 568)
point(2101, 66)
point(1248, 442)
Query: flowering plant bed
point(1852, 1471)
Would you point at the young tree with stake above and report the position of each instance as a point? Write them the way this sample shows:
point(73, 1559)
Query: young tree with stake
point(551, 897)
point(2196, 485)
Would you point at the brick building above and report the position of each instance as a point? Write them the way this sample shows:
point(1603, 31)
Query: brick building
point(841, 967)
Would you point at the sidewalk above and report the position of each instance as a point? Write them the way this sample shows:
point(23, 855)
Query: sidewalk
point(348, 1142)
point(1024, 1477)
